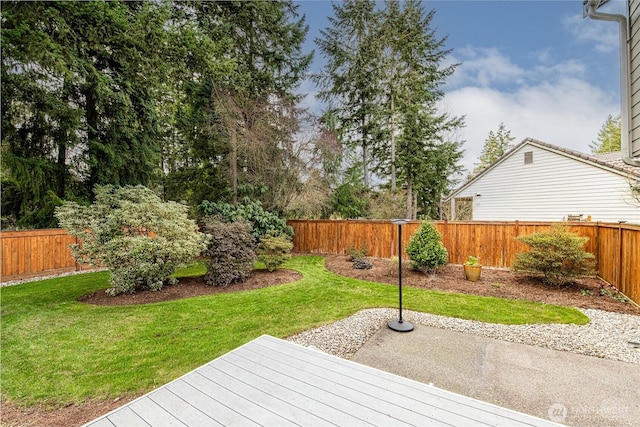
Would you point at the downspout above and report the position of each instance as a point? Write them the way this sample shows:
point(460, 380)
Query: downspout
point(625, 78)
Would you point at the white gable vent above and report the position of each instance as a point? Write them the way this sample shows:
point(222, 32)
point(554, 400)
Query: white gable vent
point(528, 157)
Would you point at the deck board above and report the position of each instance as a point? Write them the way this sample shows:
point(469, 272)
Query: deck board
point(274, 382)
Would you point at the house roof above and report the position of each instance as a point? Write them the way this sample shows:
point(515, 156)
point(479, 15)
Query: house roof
point(608, 161)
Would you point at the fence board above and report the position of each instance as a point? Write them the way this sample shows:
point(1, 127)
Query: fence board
point(34, 253)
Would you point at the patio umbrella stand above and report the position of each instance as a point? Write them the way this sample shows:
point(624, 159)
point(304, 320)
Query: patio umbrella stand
point(399, 324)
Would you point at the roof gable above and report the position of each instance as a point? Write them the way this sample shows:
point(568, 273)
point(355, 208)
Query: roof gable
point(610, 162)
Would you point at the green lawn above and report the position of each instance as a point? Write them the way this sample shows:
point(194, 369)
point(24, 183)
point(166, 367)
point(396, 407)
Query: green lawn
point(56, 350)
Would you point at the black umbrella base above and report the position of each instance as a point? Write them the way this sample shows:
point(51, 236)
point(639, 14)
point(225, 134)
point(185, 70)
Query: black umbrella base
point(400, 326)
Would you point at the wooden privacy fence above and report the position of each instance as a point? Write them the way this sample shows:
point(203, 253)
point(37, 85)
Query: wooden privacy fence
point(34, 253)
point(615, 246)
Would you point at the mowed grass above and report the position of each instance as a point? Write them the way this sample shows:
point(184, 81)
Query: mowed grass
point(56, 350)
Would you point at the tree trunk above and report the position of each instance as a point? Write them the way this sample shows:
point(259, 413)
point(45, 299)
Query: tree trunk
point(96, 155)
point(393, 148)
point(409, 198)
point(233, 162)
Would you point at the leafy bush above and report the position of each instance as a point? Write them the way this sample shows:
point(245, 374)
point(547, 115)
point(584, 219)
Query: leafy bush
point(262, 221)
point(231, 252)
point(356, 254)
point(274, 250)
point(131, 231)
point(557, 254)
point(426, 250)
point(350, 200)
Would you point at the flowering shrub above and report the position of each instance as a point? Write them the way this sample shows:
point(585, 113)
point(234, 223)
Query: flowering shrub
point(137, 236)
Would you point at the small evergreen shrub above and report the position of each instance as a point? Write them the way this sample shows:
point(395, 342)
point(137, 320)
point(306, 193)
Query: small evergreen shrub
point(426, 250)
point(558, 255)
point(274, 250)
point(231, 252)
point(137, 236)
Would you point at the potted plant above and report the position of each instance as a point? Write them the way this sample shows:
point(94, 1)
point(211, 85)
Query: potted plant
point(472, 269)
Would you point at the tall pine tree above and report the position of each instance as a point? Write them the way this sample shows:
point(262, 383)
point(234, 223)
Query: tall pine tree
point(608, 137)
point(425, 155)
point(350, 81)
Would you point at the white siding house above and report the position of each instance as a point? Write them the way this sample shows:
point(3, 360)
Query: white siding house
point(536, 181)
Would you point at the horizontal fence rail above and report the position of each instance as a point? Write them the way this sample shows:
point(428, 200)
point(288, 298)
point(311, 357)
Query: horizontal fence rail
point(616, 247)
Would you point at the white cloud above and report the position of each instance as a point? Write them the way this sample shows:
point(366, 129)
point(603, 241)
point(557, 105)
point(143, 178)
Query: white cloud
point(567, 112)
point(488, 67)
point(603, 35)
point(483, 67)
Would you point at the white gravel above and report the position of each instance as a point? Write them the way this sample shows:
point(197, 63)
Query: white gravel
point(607, 335)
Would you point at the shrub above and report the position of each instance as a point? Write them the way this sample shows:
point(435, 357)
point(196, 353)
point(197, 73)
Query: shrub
point(426, 250)
point(231, 252)
point(261, 221)
point(558, 255)
point(137, 236)
point(274, 250)
point(356, 254)
point(362, 264)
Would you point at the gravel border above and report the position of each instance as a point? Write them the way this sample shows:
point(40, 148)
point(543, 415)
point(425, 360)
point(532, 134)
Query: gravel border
point(607, 335)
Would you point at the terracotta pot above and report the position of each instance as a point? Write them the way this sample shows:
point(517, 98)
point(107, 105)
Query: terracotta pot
point(472, 272)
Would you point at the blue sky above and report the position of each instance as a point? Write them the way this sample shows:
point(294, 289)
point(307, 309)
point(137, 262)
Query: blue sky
point(536, 66)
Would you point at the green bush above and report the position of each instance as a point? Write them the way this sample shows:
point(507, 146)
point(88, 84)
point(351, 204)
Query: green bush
point(274, 250)
point(558, 255)
point(137, 236)
point(426, 250)
point(231, 252)
point(261, 221)
point(356, 254)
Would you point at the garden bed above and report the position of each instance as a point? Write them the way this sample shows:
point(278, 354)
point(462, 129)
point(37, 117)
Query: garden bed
point(587, 292)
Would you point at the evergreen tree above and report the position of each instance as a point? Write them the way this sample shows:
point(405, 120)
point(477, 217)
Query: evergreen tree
point(425, 157)
point(256, 108)
point(79, 85)
point(495, 146)
point(382, 82)
point(350, 80)
point(608, 137)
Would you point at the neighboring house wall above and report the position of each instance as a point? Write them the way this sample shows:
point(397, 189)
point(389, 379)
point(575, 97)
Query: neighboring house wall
point(634, 58)
point(550, 188)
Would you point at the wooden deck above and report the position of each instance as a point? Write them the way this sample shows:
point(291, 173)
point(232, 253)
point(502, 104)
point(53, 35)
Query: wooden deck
point(271, 382)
